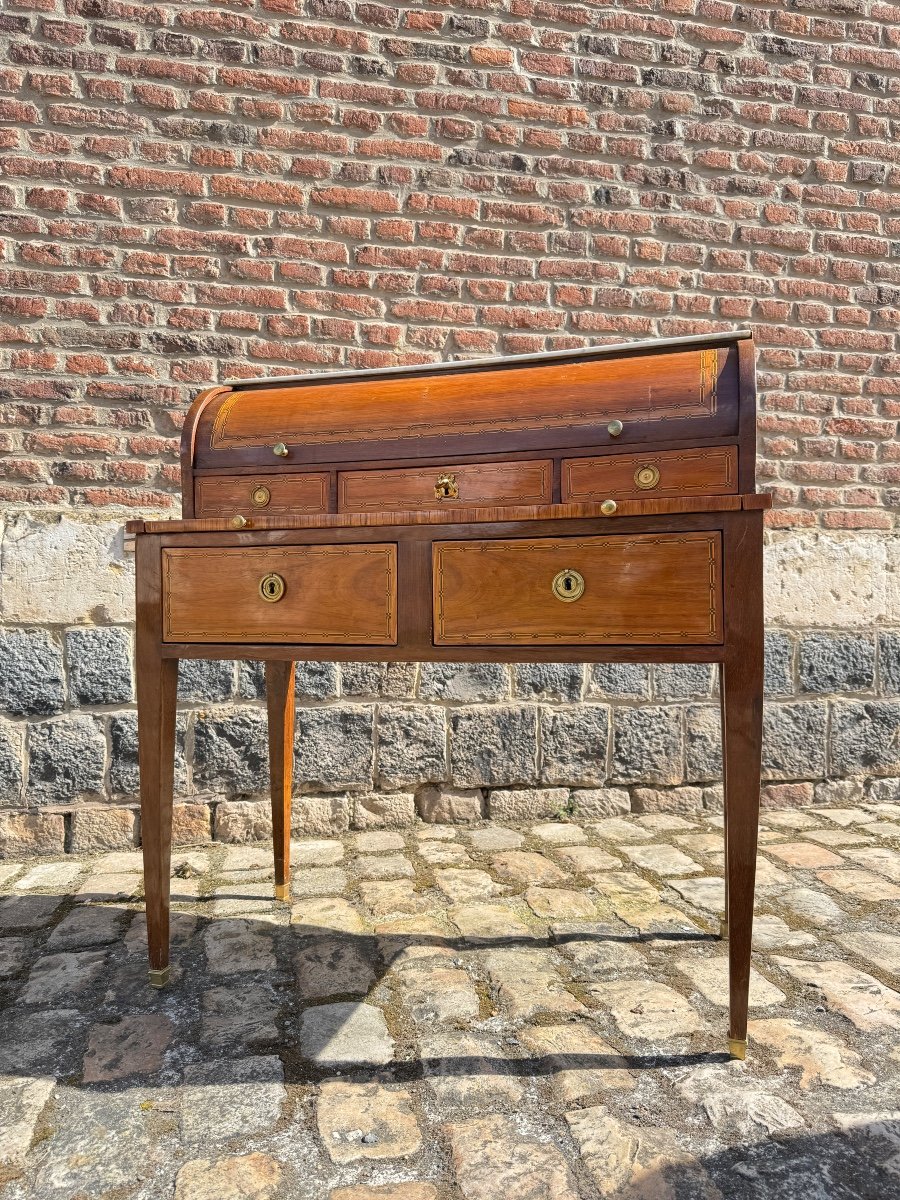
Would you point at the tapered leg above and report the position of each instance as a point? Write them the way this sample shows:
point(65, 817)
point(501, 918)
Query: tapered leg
point(741, 679)
point(157, 682)
point(280, 705)
point(723, 922)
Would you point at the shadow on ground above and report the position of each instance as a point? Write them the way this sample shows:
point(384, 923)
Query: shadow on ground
point(295, 991)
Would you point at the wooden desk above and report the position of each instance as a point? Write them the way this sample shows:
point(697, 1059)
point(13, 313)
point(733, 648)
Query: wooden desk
point(499, 548)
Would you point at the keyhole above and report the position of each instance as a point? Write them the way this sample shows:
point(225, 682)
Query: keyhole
point(271, 587)
point(568, 585)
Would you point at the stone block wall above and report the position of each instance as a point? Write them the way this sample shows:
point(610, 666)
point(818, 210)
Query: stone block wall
point(381, 744)
point(190, 193)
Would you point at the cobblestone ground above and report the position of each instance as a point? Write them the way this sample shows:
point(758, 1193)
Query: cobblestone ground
point(459, 1014)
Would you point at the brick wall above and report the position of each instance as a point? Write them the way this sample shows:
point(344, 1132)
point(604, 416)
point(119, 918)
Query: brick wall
point(193, 192)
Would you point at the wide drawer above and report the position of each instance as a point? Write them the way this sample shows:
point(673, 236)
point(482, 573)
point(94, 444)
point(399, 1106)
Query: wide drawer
point(705, 471)
point(270, 495)
point(442, 487)
point(308, 594)
point(647, 588)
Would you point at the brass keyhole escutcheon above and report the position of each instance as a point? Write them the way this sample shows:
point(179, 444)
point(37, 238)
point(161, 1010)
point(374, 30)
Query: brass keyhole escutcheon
point(260, 496)
point(271, 587)
point(446, 488)
point(568, 585)
point(646, 477)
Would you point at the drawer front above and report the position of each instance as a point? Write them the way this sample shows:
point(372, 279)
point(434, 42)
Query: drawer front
point(330, 594)
point(269, 495)
point(711, 471)
point(442, 487)
point(648, 588)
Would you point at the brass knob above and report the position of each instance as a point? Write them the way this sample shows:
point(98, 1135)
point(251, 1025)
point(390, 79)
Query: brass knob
point(614, 428)
point(568, 585)
point(280, 449)
point(446, 488)
point(608, 507)
point(260, 496)
point(239, 522)
point(646, 477)
point(271, 587)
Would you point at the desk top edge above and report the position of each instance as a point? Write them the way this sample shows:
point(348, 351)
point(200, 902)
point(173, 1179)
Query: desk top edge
point(459, 516)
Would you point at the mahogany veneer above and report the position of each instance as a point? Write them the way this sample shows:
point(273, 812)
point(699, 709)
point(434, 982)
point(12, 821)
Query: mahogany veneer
point(273, 495)
point(581, 505)
point(429, 488)
point(710, 471)
point(343, 594)
point(658, 588)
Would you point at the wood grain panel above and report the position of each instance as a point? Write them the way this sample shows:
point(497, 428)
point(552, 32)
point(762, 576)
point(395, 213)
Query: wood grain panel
point(706, 471)
point(640, 387)
point(333, 594)
point(227, 495)
point(664, 588)
point(413, 490)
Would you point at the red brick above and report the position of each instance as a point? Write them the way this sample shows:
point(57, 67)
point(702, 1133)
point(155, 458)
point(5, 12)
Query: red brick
point(501, 194)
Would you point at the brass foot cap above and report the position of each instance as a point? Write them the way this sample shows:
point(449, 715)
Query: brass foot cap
point(723, 930)
point(282, 891)
point(159, 979)
point(737, 1048)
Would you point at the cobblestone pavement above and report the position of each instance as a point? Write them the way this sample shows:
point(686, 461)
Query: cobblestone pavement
point(459, 1014)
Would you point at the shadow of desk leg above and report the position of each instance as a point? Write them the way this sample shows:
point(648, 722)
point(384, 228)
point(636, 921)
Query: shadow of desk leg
point(157, 684)
point(280, 707)
point(741, 687)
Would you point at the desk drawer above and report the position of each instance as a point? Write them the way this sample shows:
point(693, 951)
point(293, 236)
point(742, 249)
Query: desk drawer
point(268, 495)
point(487, 484)
point(647, 588)
point(328, 594)
point(709, 472)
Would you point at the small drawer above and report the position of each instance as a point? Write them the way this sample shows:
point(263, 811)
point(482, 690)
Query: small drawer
point(485, 484)
point(648, 588)
point(705, 472)
point(265, 495)
point(330, 595)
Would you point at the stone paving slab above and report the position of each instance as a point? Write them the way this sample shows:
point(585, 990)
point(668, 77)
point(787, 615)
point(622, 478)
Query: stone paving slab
point(533, 1011)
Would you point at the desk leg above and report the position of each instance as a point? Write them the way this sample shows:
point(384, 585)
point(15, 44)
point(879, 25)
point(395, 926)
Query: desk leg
point(741, 690)
point(280, 705)
point(157, 683)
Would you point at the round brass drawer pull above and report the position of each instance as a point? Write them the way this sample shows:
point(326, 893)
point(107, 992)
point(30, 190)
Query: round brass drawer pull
point(271, 587)
point(608, 507)
point(614, 428)
point(260, 496)
point(446, 488)
point(647, 476)
point(239, 522)
point(568, 585)
point(280, 450)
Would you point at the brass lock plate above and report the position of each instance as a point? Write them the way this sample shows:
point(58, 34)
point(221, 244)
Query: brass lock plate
point(568, 585)
point(260, 496)
point(446, 488)
point(271, 587)
point(646, 476)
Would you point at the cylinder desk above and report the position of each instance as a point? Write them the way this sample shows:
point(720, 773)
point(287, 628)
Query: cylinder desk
point(590, 505)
